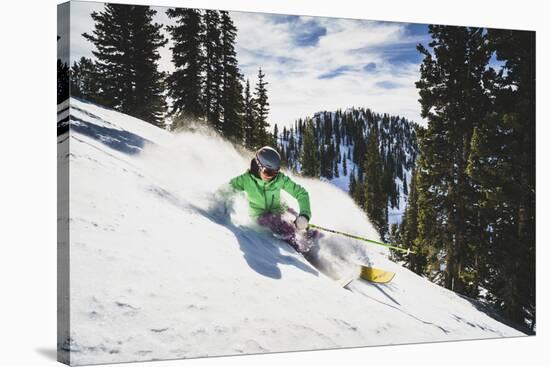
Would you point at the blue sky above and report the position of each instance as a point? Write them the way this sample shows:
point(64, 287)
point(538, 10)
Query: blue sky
point(311, 63)
point(316, 63)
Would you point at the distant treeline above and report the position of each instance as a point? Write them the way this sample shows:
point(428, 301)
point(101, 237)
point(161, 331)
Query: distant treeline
point(373, 151)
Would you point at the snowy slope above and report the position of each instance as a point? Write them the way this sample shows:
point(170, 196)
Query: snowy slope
point(158, 271)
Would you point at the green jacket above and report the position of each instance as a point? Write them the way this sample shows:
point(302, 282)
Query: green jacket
point(264, 197)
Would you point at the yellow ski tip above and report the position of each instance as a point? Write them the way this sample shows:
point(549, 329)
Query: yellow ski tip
point(376, 275)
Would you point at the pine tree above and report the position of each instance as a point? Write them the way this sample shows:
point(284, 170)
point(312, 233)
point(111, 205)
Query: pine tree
point(262, 106)
point(345, 165)
point(249, 118)
point(275, 136)
point(231, 99)
point(127, 42)
point(185, 83)
point(330, 159)
point(502, 166)
point(352, 184)
point(453, 101)
point(323, 171)
point(292, 150)
point(308, 158)
point(213, 87)
point(416, 262)
point(62, 79)
point(84, 80)
point(375, 199)
point(359, 192)
point(393, 235)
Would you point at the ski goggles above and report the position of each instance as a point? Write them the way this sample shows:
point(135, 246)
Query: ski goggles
point(270, 172)
point(267, 171)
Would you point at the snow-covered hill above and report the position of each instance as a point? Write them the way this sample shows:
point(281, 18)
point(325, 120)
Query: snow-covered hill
point(158, 271)
point(342, 136)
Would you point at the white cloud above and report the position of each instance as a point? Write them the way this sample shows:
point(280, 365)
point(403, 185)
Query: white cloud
point(295, 89)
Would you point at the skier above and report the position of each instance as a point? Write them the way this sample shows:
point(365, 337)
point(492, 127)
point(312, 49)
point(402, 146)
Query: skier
point(263, 183)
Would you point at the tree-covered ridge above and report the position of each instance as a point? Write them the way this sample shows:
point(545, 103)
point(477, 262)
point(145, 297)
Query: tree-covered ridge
point(373, 152)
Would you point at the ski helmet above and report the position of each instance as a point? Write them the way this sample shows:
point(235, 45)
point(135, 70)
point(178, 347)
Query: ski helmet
point(268, 159)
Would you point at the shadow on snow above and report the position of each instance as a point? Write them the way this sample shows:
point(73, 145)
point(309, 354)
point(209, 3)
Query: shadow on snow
point(262, 255)
point(117, 139)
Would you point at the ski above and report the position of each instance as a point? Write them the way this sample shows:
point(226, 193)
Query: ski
point(375, 275)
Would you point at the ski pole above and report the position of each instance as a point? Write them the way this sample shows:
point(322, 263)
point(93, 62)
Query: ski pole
point(408, 251)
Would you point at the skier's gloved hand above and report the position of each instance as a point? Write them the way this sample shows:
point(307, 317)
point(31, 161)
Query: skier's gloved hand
point(301, 222)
